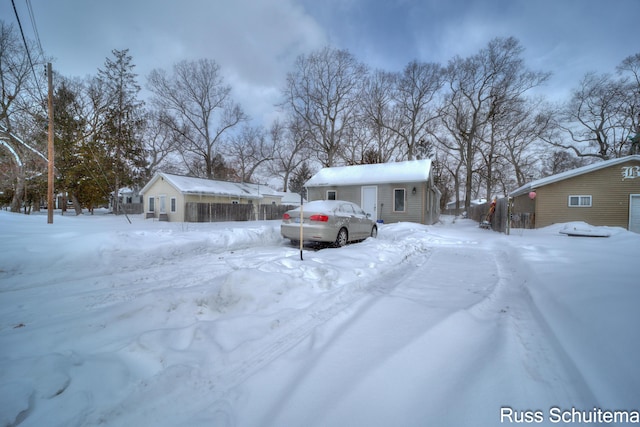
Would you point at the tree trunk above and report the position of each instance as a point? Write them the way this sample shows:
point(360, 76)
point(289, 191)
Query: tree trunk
point(469, 177)
point(76, 204)
point(18, 195)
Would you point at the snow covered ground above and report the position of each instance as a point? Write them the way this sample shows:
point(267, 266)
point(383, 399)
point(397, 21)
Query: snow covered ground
point(103, 322)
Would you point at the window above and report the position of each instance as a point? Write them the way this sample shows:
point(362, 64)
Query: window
point(173, 204)
point(348, 209)
point(331, 194)
point(579, 201)
point(398, 199)
point(152, 204)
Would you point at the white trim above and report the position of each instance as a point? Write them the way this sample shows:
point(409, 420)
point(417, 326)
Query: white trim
point(374, 214)
point(631, 196)
point(162, 204)
point(580, 199)
point(335, 195)
point(404, 202)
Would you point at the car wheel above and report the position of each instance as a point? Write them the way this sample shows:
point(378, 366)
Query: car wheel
point(374, 232)
point(341, 240)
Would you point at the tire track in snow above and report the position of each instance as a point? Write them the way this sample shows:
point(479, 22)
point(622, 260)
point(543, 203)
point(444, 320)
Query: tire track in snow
point(435, 296)
point(534, 362)
point(220, 381)
point(299, 328)
point(543, 354)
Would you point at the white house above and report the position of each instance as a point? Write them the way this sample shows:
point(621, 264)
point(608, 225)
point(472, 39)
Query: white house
point(174, 197)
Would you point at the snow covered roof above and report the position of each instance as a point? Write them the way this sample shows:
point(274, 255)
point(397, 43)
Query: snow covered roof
point(570, 174)
point(201, 186)
point(290, 198)
point(474, 202)
point(380, 173)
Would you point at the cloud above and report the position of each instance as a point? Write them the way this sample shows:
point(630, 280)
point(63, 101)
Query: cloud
point(256, 41)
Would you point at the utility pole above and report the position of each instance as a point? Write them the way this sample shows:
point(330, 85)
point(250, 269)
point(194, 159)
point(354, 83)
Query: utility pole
point(50, 153)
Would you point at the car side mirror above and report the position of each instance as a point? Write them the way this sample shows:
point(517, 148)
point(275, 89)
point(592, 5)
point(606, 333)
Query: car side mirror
point(368, 215)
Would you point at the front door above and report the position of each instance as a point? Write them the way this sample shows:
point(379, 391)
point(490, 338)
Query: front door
point(370, 201)
point(163, 204)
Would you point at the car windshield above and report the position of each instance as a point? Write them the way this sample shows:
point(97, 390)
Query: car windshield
point(346, 208)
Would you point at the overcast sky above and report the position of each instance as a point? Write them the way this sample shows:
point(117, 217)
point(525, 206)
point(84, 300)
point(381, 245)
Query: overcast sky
point(256, 41)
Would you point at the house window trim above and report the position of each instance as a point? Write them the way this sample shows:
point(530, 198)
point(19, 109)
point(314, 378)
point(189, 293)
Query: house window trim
point(173, 205)
point(580, 199)
point(151, 208)
point(404, 201)
point(335, 194)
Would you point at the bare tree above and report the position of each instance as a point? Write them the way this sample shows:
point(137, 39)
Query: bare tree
point(630, 67)
point(21, 103)
point(200, 103)
point(381, 126)
point(160, 138)
point(481, 90)
point(526, 126)
point(249, 149)
point(596, 119)
point(323, 92)
point(291, 149)
point(560, 161)
point(414, 95)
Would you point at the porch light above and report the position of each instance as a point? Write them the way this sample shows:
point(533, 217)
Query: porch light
point(532, 195)
point(414, 191)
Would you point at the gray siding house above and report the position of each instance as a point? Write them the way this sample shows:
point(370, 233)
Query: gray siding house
point(389, 192)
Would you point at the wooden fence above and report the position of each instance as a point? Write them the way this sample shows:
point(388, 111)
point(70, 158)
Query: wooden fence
point(269, 212)
point(129, 208)
point(220, 212)
point(499, 222)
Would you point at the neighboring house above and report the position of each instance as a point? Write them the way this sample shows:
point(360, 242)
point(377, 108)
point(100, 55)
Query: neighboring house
point(290, 198)
point(167, 197)
point(451, 206)
point(389, 192)
point(130, 201)
point(604, 193)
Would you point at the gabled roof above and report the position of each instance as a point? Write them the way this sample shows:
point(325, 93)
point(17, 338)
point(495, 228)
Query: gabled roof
point(572, 173)
point(201, 186)
point(380, 173)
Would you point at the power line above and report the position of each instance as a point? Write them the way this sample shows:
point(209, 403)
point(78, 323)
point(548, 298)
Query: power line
point(26, 46)
point(35, 28)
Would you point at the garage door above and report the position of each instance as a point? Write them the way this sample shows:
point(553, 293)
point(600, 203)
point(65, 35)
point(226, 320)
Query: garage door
point(634, 213)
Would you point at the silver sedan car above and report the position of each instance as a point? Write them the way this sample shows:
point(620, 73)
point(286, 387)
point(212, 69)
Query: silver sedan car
point(328, 221)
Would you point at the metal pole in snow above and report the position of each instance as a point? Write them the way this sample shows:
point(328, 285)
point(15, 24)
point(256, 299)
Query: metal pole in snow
point(301, 221)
